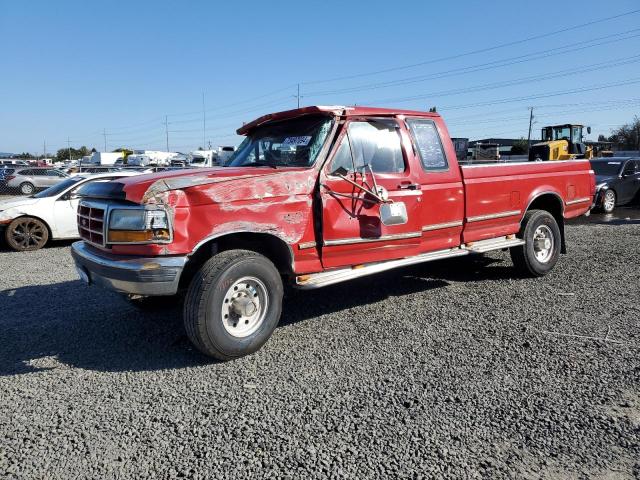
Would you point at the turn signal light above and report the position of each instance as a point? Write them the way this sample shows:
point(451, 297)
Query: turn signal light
point(130, 236)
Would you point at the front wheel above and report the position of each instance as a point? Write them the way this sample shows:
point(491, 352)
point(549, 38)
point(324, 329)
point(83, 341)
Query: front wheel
point(233, 304)
point(541, 249)
point(26, 234)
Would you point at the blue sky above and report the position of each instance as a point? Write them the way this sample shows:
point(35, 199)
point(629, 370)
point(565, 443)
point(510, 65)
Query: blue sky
point(72, 69)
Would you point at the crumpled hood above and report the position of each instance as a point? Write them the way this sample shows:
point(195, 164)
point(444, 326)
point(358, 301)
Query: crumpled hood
point(146, 188)
point(17, 202)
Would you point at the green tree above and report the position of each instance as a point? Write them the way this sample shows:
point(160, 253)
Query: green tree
point(627, 137)
point(65, 154)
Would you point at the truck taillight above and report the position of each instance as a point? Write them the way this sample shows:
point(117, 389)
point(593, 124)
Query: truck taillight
point(9, 177)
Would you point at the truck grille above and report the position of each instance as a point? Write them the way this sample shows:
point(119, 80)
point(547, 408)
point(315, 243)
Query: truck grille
point(91, 224)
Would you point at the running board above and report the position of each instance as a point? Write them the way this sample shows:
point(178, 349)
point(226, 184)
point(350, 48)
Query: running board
point(499, 243)
point(322, 279)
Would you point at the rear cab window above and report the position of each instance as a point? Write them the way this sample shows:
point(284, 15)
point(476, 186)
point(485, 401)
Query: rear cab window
point(428, 144)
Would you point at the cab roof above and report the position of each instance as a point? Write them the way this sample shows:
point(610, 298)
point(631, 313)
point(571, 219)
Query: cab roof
point(331, 110)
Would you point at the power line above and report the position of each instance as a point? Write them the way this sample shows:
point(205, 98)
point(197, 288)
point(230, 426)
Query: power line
point(518, 81)
point(479, 67)
point(481, 50)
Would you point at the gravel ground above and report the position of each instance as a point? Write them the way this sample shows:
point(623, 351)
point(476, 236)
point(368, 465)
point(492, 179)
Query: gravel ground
point(455, 369)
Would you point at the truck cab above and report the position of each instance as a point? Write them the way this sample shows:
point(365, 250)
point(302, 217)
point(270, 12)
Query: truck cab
point(313, 197)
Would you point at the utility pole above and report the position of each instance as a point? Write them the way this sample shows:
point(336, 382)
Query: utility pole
point(104, 132)
point(69, 147)
point(166, 130)
point(298, 96)
point(204, 122)
point(44, 149)
point(530, 125)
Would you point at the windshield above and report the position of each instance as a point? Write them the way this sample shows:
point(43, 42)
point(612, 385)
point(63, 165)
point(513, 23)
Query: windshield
point(289, 143)
point(606, 168)
point(58, 188)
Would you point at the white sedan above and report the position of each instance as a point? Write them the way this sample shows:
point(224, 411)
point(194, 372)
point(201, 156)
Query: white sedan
point(29, 222)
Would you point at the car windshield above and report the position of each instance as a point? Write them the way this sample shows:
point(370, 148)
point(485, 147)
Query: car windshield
point(58, 188)
point(289, 143)
point(610, 168)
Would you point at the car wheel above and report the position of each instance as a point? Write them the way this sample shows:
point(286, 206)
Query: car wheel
point(26, 234)
point(609, 201)
point(233, 304)
point(541, 249)
point(27, 188)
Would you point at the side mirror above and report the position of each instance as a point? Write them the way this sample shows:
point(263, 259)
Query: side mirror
point(589, 130)
point(393, 213)
point(340, 172)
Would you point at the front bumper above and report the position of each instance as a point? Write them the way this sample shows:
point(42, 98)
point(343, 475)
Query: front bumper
point(128, 274)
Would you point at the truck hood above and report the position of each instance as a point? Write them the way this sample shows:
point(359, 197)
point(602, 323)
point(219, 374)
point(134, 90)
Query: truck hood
point(229, 183)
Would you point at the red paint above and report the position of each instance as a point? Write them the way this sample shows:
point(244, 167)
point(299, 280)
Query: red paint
point(209, 203)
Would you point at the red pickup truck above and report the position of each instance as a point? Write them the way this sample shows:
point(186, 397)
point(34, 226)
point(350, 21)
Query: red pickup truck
point(316, 196)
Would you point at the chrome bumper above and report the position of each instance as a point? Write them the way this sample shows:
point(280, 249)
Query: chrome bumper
point(123, 273)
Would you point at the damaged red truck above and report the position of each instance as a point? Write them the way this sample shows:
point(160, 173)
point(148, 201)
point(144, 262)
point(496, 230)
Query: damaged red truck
point(312, 197)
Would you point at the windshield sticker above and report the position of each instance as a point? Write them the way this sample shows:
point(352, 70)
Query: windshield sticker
point(297, 141)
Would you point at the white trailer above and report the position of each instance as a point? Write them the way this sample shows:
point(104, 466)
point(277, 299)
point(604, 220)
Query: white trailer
point(142, 158)
point(203, 158)
point(102, 158)
point(225, 153)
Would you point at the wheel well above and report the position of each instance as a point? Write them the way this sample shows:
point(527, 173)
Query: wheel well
point(272, 247)
point(37, 218)
point(551, 203)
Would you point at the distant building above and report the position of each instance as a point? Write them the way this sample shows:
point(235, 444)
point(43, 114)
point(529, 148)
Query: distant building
point(505, 144)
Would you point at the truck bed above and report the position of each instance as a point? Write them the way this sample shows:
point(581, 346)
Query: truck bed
point(497, 195)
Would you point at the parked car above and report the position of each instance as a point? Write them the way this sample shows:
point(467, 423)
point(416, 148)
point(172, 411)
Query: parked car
point(617, 181)
point(28, 180)
point(313, 197)
point(4, 173)
point(29, 222)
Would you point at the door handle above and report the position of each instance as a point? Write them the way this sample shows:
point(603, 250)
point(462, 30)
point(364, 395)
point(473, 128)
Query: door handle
point(408, 186)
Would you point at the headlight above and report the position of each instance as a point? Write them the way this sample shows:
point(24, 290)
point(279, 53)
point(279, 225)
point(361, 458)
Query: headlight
point(135, 225)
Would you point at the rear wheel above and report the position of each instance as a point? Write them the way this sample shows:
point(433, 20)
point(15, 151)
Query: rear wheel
point(27, 188)
point(541, 250)
point(233, 304)
point(26, 233)
point(609, 201)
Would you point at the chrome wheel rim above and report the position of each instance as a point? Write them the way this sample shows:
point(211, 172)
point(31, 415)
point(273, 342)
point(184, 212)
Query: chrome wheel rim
point(27, 234)
point(543, 243)
point(244, 307)
point(609, 200)
point(27, 189)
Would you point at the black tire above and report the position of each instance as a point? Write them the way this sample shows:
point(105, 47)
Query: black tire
point(208, 327)
point(27, 188)
point(25, 234)
point(609, 200)
point(530, 259)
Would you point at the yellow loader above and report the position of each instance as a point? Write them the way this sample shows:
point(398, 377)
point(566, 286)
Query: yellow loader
point(561, 142)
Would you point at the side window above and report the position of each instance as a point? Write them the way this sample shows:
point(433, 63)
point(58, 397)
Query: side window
point(343, 158)
point(629, 168)
point(376, 142)
point(427, 140)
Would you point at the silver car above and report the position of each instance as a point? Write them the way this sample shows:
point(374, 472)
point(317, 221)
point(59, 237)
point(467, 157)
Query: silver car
point(28, 180)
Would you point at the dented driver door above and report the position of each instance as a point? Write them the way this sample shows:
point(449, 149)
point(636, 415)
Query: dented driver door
point(368, 153)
